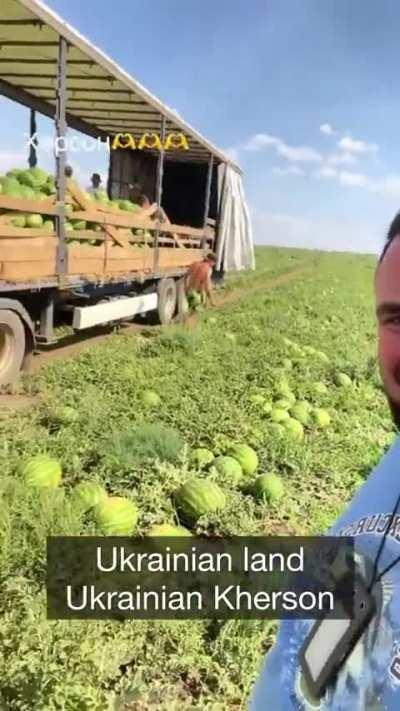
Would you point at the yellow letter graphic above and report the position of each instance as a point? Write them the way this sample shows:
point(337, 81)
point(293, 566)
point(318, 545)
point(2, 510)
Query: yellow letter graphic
point(176, 141)
point(150, 140)
point(128, 143)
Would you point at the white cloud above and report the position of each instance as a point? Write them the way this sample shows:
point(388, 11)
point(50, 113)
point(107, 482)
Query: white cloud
point(299, 153)
point(333, 234)
point(345, 158)
point(292, 153)
point(291, 170)
point(353, 146)
point(353, 179)
point(260, 141)
point(327, 129)
point(326, 171)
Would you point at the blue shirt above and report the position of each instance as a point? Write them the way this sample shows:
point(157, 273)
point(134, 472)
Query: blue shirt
point(370, 678)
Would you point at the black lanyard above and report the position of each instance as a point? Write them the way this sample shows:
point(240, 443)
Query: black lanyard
point(375, 578)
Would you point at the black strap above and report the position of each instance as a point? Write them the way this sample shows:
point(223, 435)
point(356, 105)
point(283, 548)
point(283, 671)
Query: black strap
point(375, 578)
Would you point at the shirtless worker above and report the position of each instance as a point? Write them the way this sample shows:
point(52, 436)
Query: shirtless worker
point(198, 278)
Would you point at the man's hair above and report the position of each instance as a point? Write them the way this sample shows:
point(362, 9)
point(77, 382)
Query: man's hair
point(96, 176)
point(68, 171)
point(393, 232)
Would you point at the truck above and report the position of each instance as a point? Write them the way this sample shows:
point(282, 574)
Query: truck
point(120, 260)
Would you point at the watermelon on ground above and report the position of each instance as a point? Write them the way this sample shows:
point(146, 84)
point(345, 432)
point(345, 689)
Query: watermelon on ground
point(268, 487)
point(201, 457)
point(246, 456)
point(89, 494)
point(41, 471)
point(117, 516)
point(197, 497)
point(229, 468)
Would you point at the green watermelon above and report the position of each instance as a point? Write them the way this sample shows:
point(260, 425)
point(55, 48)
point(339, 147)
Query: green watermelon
point(257, 399)
point(48, 226)
point(78, 224)
point(268, 487)
point(197, 497)
point(151, 399)
point(34, 221)
point(246, 456)
point(294, 428)
point(201, 457)
point(343, 380)
point(321, 417)
point(18, 221)
point(276, 429)
point(283, 404)
point(66, 415)
point(117, 516)
point(229, 468)
point(319, 388)
point(89, 494)
point(168, 529)
point(279, 415)
point(41, 471)
point(301, 413)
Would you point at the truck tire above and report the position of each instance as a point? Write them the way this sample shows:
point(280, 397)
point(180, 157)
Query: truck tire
point(167, 297)
point(182, 302)
point(12, 346)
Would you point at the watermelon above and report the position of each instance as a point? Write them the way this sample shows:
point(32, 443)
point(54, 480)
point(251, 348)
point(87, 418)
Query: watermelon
point(294, 428)
point(321, 417)
point(257, 399)
point(41, 471)
point(89, 494)
point(201, 457)
point(27, 193)
point(34, 221)
point(18, 221)
point(246, 456)
point(268, 487)
point(267, 408)
point(48, 226)
point(229, 468)
point(279, 415)
point(319, 388)
point(283, 404)
point(78, 224)
point(322, 356)
point(117, 516)
point(197, 497)
point(11, 187)
point(300, 413)
point(101, 196)
point(276, 429)
point(69, 210)
point(194, 299)
point(343, 380)
point(151, 399)
point(168, 529)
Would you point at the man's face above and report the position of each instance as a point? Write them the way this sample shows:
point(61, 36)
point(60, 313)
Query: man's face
point(387, 288)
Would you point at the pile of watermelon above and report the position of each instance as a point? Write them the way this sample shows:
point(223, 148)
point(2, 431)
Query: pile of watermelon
point(36, 184)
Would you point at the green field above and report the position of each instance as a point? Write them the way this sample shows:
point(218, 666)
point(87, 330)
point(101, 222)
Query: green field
point(206, 377)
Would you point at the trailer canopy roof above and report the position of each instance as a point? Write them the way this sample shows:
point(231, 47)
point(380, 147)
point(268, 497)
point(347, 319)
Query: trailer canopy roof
point(103, 100)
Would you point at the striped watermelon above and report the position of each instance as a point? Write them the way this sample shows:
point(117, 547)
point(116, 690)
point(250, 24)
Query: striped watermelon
point(89, 494)
point(117, 516)
point(198, 497)
point(42, 471)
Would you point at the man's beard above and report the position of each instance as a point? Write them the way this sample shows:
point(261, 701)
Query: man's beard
point(395, 410)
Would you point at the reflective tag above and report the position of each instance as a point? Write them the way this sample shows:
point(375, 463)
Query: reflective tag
point(331, 640)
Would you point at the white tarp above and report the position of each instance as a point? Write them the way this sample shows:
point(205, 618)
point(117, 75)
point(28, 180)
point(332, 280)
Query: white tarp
point(235, 249)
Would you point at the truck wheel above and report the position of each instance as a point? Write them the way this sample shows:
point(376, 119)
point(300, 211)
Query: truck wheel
point(12, 346)
point(166, 301)
point(183, 304)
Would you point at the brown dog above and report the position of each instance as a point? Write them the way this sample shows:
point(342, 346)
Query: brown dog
point(198, 278)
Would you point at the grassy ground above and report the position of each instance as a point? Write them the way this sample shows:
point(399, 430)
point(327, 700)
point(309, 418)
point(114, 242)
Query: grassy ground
point(205, 377)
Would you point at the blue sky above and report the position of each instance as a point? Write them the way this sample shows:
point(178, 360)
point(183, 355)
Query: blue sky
point(303, 93)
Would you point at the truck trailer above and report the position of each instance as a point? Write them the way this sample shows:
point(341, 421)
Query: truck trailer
point(119, 262)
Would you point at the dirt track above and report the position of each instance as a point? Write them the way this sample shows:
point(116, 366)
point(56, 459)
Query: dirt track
point(73, 345)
